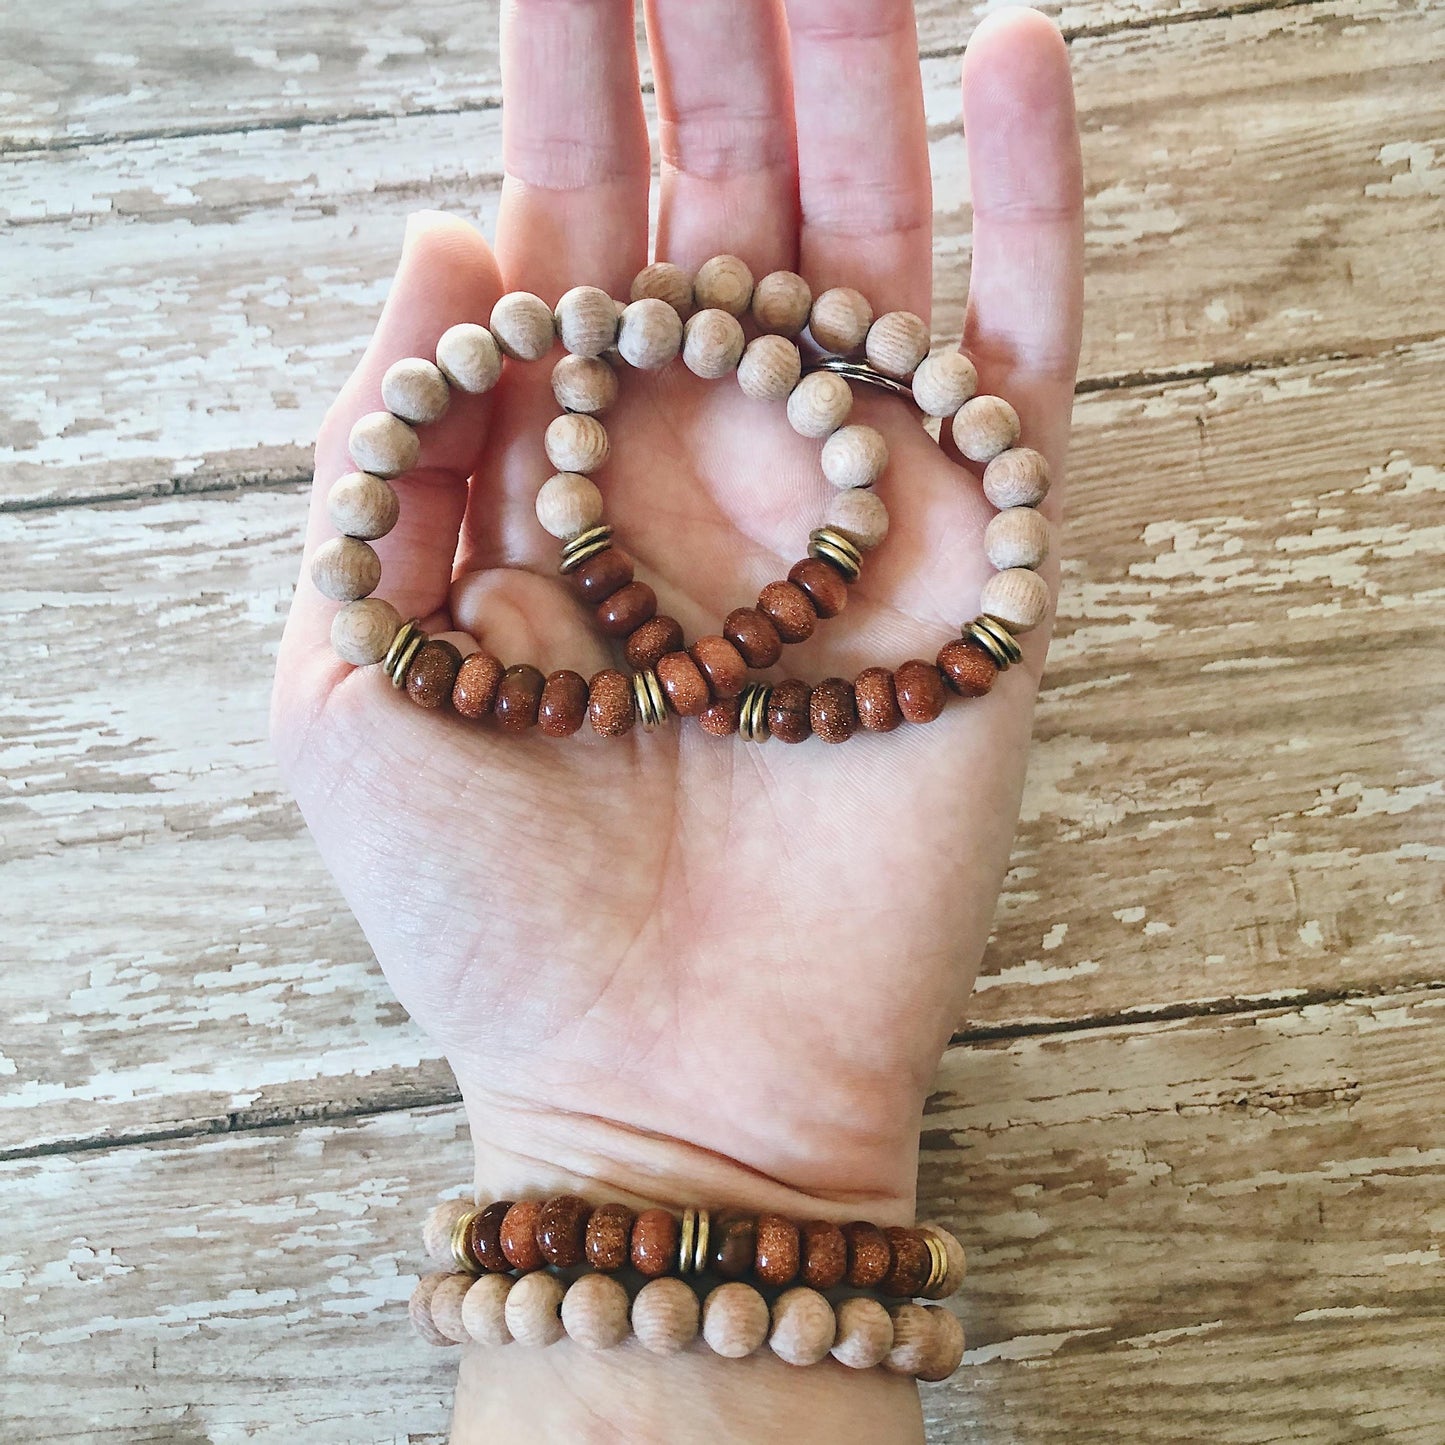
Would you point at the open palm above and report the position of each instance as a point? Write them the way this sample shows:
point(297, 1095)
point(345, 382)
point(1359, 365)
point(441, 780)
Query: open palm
point(675, 962)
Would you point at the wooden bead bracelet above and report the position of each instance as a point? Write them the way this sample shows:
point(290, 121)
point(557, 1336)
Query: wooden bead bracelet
point(672, 313)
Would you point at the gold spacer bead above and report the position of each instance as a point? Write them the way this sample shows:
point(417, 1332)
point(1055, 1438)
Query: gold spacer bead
point(753, 712)
point(1004, 633)
point(650, 699)
point(704, 1229)
point(461, 1254)
point(403, 636)
point(995, 640)
point(684, 1251)
point(829, 545)
point(584, 545)
point(937, 1264)
point(405, 646)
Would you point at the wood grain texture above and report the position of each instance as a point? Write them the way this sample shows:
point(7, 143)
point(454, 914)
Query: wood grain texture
point(1211, 1229)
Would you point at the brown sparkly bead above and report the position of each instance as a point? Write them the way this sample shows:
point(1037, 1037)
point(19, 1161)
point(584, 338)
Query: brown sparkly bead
point(877, 700)
point(721, 663)
point(609, 1235)
point(732, 1245)
point(969, 670)
point(652, 641)
point(777, 1251)
point(911, 1263)
point(654, 1243)
point(432, 673)
point(684, 684)
point(474, 693)
point(721, 719)
point(519, 1235)
point(824, 584)
point(824, 1251)
point(832, 710)
point(870, 1256)
point(788, 708)
point(786, 605)
point(600, 576)
point(518, 695)
point(484, 1237)
point(562, 1229)
point(919, 686)
point(610, 703)
point(754, 636)
point(627, 609)
point(563, 708)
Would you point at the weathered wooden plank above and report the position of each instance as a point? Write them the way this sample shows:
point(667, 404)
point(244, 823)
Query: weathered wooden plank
point(1235, 789)
point(1223, 1229)
point(185, 306)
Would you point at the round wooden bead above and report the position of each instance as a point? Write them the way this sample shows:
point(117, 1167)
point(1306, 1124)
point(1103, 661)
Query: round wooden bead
point(911, 1263)
point(735, 1320)
point(523, 326)
point(943, 382)
point(563, 706)
point(864, 1335)
point(1019, 598)
point(721, 664)
point(654, 1242)
point(840, 320)
point(913, 1335)
point(854, 456)
point(484, 1236)
point(966, 668)
point(584, 383)
point(533, 1309)
point(415, 390)
point(877, 700)
point(484, 1310)
point(860, 515)
point(770, 368)
point(653, 641)
point(665, 1316)
point(823, 583)
point(1018, 477)
point(603, 575)
point(733, 1243)
point(345, 569)
point(789, 711)
point(469, 357)
point(610, 703)
point(568, 504)
point(824, 1254)
point(819, 404)
point(802, 1327)
point(754, 635)
point(777, 1250)
point(586, 319)
point(363, 506)
point(650, 334)
point(419, 1309)
point(832, 710)
point(786, 606)
point(683, 684)
point(576, 442)
point(436, 1233)
point(920, 690)
point(383, 445)
point(609, 1236)
point(1017, 537)
point(781, 303)
point(595, 1310)
point(953, 1278)
point(627, 609)
point(431, 673)
point(474, 693)
point(984, 427)
point(446, 1307)
point(897, 342)
point(519, 696)
point(870, 1256)
point(945, 1349)
point(519, 1235)
point(724, 282)
point(665, 282)
point(712, 344)
point(362, 632)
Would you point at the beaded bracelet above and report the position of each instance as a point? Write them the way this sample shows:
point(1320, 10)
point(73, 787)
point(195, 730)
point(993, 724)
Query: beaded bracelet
point(698, 317)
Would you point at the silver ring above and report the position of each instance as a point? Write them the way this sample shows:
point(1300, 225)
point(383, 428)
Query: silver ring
point(861, 371)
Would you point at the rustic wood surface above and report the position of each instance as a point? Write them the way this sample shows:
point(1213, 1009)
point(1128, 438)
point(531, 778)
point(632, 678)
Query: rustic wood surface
point(1191, 1128)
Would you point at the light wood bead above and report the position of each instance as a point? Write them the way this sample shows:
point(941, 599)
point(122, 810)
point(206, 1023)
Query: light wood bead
point(650, 334)
point(896, 344)
point(576, 443)
point(985, 426)
point(1017, 537)
point(587, 320)
point(361, 634)
point(533, 1310)
point(361, 505)
point(665, 282)
point(803, 1326)
point(840, 319)
point(665, 1316)
point(419, 1309)
point(415, 390)
point(724, 282)
point(781, 303)
point(1018, 477)
point(523, 326)
point(712, 343)
point(344, 569)
point(484, 1310)
point(446, 1307)
point(943, 382)
point(860, 515)
point(569, 504)
point(735, 1320)
point(912, 1338)
point(854, 456)
point(945, 1350)
point(436, 1233)
point(594, 1311)
point(1018, 598)
point(819, 404)
point(584, 384)
point(770, 368)
point(469, 357)
point(954, 1276)
point(864, 1334)
point(383, 445)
